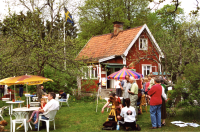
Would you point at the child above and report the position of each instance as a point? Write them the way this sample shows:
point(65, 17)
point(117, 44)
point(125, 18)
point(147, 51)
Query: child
point(43, 103)
point(62, 94)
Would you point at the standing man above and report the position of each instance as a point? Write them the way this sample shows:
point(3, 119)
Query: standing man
point(51, 105)
point(122, 82)
point(43, 90)
point(117, 87)
point(21, 89)
point(125, 89)
point(134, 94)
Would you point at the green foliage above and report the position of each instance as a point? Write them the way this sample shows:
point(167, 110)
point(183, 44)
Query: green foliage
point(188, 86)
point(88, 98)
point(61, 80)
point(34, 44)
point(171, 96)
point(87, 84)
point(96, 17)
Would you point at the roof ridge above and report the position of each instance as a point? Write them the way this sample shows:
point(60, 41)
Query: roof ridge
point(120, 31)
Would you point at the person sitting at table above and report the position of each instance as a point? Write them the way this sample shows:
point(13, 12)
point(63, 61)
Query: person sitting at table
point(9, 90)
point(62, 94)
point(115, 100)
point(37, 112)
point(51, 105)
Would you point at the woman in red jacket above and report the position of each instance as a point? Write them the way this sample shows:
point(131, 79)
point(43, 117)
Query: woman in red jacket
point(155, 103)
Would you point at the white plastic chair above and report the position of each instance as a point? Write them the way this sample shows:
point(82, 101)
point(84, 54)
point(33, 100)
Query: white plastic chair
point(1, 111)
point(64, 100)
point(109, 104)
point(51, 118)
point(20, 117)
point(57, 97)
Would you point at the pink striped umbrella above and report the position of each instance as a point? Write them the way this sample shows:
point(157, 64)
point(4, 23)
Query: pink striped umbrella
point(123, 72)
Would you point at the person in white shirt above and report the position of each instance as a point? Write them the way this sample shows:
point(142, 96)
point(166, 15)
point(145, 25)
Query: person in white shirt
point(51, 105)
point(117, 87)
point(125, 89)
point(128, 113)
point(164, 100)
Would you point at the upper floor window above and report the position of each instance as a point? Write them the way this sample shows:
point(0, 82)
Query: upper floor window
point(143, 44)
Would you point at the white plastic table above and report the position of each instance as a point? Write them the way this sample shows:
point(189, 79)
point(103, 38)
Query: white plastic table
point(34, 104)
point(35, 98)
point(28, 110)
point(11, 105)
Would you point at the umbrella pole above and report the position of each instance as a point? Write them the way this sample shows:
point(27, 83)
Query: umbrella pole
point(14, 92)
point(26, 88)
point(98, 97)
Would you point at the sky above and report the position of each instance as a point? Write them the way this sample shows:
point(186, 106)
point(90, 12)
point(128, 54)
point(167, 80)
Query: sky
point(187, 5)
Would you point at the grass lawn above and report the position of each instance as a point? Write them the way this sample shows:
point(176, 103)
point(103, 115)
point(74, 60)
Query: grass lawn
point(82, 117)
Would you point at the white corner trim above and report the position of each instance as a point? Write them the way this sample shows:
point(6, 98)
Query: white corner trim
point(99, 75)
point(137, 36)
point(124, 59)
point(107, 58)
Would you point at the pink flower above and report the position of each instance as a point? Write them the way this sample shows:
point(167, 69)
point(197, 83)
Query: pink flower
point(111, 90)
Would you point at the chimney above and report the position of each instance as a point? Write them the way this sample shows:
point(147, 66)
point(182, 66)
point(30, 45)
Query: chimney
point(118, 26)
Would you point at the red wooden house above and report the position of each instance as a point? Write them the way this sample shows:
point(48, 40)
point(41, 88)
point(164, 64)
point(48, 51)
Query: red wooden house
point(134, 48)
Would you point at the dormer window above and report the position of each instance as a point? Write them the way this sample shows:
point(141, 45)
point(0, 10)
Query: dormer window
point(143, 44)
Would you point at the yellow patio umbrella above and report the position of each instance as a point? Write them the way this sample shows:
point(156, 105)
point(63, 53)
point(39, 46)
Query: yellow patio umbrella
point(2, 81)
point(25, 79)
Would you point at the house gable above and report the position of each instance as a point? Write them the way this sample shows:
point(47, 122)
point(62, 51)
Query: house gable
point(150, 37)
point(138, 58)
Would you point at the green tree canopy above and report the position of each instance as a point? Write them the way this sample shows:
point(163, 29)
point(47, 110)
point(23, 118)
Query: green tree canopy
point(33, 44)
point(97, 16)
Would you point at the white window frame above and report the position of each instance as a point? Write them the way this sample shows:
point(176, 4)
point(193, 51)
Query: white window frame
point(90, 72)
point(146, 47)
point(146, 67)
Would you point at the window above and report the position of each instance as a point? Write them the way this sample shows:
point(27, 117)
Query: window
point(94, 73)
point(146, 70)
point(143, 44)
point(91, 72)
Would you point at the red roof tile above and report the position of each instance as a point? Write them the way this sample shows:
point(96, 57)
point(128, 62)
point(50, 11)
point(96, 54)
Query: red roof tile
point(107, 45)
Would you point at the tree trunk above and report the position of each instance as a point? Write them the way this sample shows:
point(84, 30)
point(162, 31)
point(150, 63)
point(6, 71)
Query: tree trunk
point(79, 85)
point(39, 92)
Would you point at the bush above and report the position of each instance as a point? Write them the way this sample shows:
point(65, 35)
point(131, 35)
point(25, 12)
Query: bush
point(187, 87)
